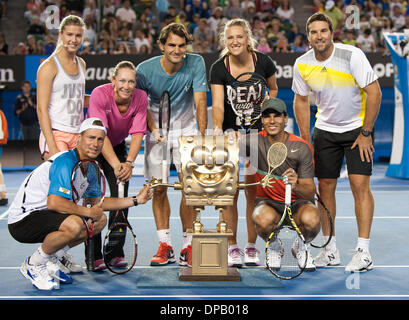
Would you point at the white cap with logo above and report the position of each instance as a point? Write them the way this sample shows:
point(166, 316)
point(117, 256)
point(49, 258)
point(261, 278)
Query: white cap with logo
point(91, 123)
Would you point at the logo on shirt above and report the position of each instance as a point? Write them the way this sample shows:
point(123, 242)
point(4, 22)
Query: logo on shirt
point(324, 69)
point(63, 190)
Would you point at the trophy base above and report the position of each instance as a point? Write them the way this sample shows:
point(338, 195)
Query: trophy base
point(209, 258)
point(185, 274)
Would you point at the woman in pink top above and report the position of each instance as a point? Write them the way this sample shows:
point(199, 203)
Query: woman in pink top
point(122, 108)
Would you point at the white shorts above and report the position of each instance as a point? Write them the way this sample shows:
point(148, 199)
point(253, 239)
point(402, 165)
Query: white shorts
point(154, 153)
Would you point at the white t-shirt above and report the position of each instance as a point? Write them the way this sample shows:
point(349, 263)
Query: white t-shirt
point(337, 84)
point(126, 15)
point(366, 43)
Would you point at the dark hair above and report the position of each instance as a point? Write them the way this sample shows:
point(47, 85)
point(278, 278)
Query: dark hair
point(266, 113)
point(319, 16)
point(177, 28)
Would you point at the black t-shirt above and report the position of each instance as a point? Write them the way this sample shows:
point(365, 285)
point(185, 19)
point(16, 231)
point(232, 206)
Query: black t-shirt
point(219, 74)
point(29, 116)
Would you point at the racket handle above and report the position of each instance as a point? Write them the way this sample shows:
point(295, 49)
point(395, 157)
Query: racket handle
point(288, 194)
point(90, 254)
point(121, 189)
point(164, 172)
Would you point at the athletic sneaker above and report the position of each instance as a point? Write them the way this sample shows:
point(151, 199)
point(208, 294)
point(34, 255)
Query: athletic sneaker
point(299, 251)
point(68, 265)
point(275, 253)
point(99, 264)
point(185, 258)
point(251, 256)
point(361, 262)
point(55, 272)
point(234, 257)
point(327, 258)
point(118, 262)
point(164, 255)
point(38, 275)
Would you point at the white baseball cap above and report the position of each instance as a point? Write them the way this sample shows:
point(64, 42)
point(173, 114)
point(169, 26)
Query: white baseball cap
point(90, 123)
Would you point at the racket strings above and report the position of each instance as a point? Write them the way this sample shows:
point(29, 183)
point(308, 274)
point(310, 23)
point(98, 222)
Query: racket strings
point(276, 155)
point(286, 255)
point(120, 248)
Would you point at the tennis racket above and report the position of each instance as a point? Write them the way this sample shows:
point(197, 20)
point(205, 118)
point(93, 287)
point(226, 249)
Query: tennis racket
point(88, 186)
point(285, 252)
point(120, 242)
point(246, 96)
point(320, 241)
point(276, 155)
point(164, 125)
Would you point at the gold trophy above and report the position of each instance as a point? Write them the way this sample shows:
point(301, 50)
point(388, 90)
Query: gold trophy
point(210, 171)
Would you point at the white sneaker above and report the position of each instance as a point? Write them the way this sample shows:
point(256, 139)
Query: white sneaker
point(327, 258)
point(68, 265)
point(251, 256)
point(234, 257)
point(361, 262)
point(299, 251)
point(275, 253)
point(38, 275)
point(53, 268)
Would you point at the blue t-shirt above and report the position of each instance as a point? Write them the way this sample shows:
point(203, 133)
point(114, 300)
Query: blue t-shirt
point(86, 185)
point(190, 78)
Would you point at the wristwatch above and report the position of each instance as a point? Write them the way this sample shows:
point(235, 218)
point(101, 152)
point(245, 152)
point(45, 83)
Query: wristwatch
point(135, 201)
point(366, 133)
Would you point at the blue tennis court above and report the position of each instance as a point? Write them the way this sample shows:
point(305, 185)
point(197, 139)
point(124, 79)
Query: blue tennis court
point(389, 280)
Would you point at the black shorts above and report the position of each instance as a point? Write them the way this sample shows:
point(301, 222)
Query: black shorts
point(330, 149)
point(280, 206)
point(37, 225)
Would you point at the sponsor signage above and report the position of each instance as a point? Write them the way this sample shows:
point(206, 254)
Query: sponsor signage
point(11, 71)
point(15, 69)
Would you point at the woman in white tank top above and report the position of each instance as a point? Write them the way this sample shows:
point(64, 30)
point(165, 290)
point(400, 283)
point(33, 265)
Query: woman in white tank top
point(61, 90)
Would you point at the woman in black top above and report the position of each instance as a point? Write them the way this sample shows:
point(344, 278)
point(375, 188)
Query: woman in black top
point(237, 57)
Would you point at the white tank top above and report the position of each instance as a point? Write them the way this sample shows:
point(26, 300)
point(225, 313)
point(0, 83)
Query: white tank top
point(66, 107)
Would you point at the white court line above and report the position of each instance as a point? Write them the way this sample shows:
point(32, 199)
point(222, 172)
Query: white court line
point(206, 297)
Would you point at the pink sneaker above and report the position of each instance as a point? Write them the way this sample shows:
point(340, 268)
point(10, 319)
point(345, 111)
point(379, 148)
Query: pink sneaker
point(99, 265)
point(118, 262)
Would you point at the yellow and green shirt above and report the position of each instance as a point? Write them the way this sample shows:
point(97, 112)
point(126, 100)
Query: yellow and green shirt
point(337, 84)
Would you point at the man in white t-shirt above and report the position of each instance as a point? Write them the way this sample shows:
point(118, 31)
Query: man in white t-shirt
point(141, 40)
point(126, 13)
point(366, 42)
point(348, 99)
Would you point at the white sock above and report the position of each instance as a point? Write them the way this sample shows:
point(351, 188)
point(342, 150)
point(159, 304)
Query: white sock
point(187, 240)
point(363, 244)
point(332, 245)
point(60, 253)
point(39, 257)
point(233, 246)
point(164, 236)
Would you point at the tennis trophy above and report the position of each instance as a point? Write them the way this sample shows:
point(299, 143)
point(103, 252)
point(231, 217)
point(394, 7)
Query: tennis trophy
point(210, 173)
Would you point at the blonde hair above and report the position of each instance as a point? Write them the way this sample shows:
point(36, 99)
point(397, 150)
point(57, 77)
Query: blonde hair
point(252, 42)
point(121, 65)
point(70, 20)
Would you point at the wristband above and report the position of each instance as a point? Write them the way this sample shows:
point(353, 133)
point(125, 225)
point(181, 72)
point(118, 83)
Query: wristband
point(130, 162)
point(135, 201)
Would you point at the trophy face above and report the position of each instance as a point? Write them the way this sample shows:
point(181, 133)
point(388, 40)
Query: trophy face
point(209, 169)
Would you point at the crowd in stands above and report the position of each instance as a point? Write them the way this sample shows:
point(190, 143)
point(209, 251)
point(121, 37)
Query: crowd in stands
point(132, 26)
